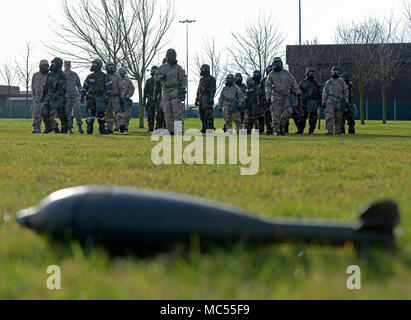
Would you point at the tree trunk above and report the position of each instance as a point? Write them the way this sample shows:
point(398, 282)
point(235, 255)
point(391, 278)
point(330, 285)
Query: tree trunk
point(361, 89)
point(384, 104)
point(8, 98)
point(140, 99)
point(27, 103)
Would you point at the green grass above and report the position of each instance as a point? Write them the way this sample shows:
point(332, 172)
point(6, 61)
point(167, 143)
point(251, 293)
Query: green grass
point(299, 176)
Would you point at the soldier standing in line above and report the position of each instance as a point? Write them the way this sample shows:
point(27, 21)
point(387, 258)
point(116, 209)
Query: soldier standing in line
point(267, 112)
point(148, 99)
point(127, 90)
point(73, 97)
point(335, 96)
point(350, 112)
point(255, 99)
point(205, 98)
point(37, 85)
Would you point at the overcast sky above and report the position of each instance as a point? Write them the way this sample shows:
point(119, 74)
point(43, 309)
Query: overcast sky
point(23, 20)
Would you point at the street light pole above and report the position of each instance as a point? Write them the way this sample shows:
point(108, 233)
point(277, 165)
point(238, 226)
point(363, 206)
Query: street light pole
point(187, 22)
point(300, 20)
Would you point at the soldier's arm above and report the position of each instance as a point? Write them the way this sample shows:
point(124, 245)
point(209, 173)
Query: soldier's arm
point(182, 77)
point(325, 93)
point(294, 85)
point(62, 86)
point(213, 88)
point(345, 92)
point(268, 87)
point(33, 89)
point(240, 96)
point(221, 99)
point(108, 86)
point(45, 88)
point(145, 92)
point(78, 83)
point(159, 76)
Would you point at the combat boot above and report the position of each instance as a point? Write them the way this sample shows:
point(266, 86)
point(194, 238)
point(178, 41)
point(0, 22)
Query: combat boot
point(351, 130)
point(57, 130)
point(329, 133)
point(47, 130)
point(343, 129)
point(300, 131)
point(80, 129)
point(282, 131)
point(311, 131)
point(286, 129)
point(123, 128)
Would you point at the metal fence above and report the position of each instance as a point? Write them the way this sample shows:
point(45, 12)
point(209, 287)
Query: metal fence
point(372, 111)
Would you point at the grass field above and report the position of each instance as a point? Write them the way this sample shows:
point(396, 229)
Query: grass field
point(299, 176)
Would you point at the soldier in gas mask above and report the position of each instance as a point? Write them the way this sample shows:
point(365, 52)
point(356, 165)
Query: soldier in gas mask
point(267, 112)
point(127, 90)
point(54, 96)
point(37, 85)
point(72, 96)
point(239, 82)
point(310, 101)
point(113, 112)
point(97, 88)
point(335, 97)
point(174, 90)
point(205, 98)
point(231, 103)
point(278, 86)
point(255, 100)
point(351, 110)
point(148, 99)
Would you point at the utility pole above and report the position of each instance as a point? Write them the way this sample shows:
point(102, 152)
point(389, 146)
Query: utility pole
point(300, 19)
point(187, 22)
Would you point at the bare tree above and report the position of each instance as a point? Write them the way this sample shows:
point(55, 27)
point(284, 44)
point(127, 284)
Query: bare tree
point(144, 33)
point(214, 58)
point(407, 14)
point(92, 29)
point(359, 36)
point(8, 75)
point(389, 59)
point(24, 70)
point(257, 45)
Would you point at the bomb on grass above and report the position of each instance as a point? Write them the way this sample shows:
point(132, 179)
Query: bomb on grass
point(146, 221)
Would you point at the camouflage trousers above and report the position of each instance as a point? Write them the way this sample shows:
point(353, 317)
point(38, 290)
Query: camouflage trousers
point(207, 117)
point(151, 114)
point(36, 115)
point(333, 116)
point(229, 117)
point(303, 116)
point(73, 110)
point(281, 112)
point(172, 108)
point(49, 116)
point(114, 112)
point(127, 119)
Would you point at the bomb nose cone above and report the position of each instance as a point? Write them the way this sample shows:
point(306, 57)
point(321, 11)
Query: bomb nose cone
point(23, 216)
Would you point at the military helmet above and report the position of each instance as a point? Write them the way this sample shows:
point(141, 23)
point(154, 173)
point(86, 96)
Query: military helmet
point(335, 72)
point(122, 70)
point(109, 64)
point(335, 69)
point(278, 64)
point(206, 67)
point(58, 62)
point(230, 77)
point(309, 70)
point(171, 56)
point(44, 63)
point(268, 70)
point(98, 62)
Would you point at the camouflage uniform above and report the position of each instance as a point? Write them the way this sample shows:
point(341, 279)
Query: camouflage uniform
point(97, 86)
point(231, 102)
point(54, 98)
point(278, 86)
point(349, 114)
point(310, 102)
point(255, 100)
point(158, 92)
point(267, 112)
point(73, 101)
point(335, 94)
point(148, 101)
point(174, 84)
point(239, 82)
point(205, 98)
point(114, 108)
point(37, 85)
point(127, 90)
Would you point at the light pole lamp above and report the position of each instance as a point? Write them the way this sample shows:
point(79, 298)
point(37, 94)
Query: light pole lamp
point(187, 22)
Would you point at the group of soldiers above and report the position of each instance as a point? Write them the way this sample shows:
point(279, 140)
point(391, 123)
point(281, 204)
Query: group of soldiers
point(266, 104)
point(269, 103)
point(108, 98)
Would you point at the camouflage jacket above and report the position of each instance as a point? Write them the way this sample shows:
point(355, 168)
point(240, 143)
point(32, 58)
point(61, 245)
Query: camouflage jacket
point(243, 87)
point(231, 94)
point(254, 95)
point(279, 84)
point(37, 85)
point(98, 84)
point(115, 84)
point(207, 87)
point(149, 90)
point(127, 88)
point(310, 90)
point(56, 82)
point(171, 76)
point(335, 90)
point(73, 84)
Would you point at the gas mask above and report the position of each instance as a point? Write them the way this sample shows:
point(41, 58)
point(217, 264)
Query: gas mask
point(110, 68)
point(205, 70)
point(96, 65)
point(122, 72)
point(278, 64)
point(153, 71)
point(268, 70)
point(335, 73)
point(44, 66)
point(171, 57)
point(257, 76)
point(238, 79)
point(229, 80)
